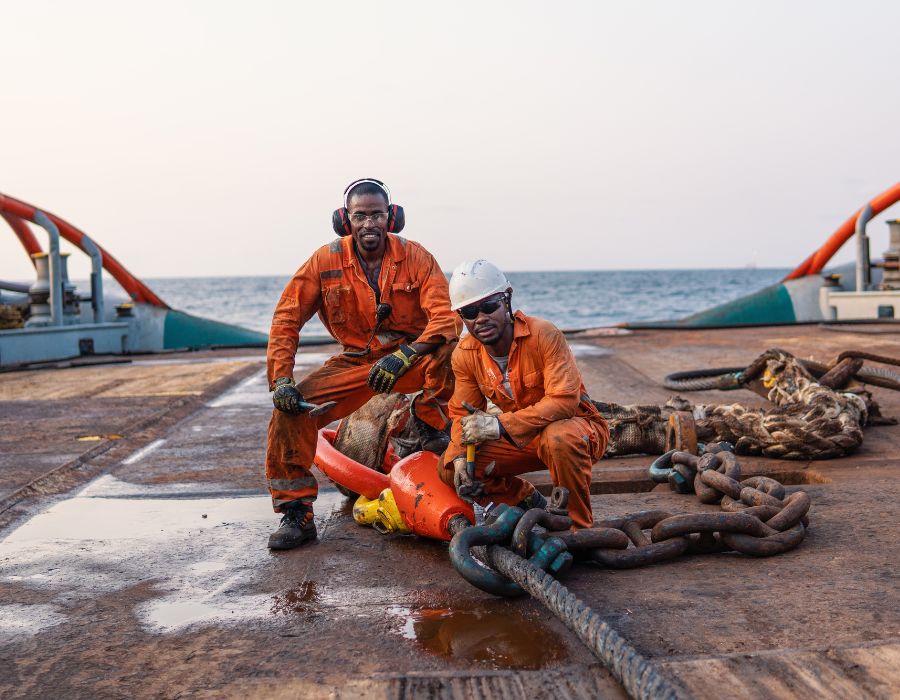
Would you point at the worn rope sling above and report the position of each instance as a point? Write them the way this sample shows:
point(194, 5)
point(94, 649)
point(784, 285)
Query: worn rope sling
point(811, 418)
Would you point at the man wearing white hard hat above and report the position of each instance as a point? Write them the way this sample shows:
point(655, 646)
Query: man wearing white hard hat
point(541, 416)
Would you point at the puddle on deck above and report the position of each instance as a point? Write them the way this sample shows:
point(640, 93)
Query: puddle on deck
point(205, 559)
point(180, 560)
point(18, 619)
point(493, 632)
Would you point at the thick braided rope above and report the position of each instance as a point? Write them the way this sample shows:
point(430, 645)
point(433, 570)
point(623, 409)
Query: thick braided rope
point(882, 372)
point(810, 421)
point(638, 675)
point(699, 384)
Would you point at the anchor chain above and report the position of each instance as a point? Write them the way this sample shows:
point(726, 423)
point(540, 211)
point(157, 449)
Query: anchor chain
point(756, 519)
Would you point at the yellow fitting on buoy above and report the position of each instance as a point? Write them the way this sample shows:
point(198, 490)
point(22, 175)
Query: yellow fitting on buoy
point(365, 510)
point(382, 514)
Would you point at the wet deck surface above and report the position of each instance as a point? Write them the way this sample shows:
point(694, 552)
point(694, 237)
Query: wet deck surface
point(138, 567)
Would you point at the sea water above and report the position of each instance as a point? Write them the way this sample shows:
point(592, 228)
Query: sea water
point(569, 299)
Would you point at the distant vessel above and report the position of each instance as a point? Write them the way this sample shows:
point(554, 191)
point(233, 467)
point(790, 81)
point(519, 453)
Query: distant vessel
point(50, 321)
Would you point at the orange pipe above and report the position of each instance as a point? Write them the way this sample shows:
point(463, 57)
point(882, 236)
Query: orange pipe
point(816, 262)
point(345, 471)
point(26, 236)
point(131, 284)
point(425, 502)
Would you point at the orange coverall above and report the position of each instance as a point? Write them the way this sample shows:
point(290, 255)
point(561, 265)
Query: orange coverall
point(549, 417)
point(333, 284)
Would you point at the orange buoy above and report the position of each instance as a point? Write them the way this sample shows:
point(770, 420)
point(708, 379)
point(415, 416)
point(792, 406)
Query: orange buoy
point(426, 503)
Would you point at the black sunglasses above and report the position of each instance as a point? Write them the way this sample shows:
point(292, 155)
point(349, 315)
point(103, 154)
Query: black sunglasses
point(489, 306)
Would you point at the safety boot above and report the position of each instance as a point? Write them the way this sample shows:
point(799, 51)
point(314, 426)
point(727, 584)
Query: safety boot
point(432, 439)
point(535, 499)
point(296, 527)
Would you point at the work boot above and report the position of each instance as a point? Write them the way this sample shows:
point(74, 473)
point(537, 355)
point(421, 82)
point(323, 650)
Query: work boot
point(297, 527)
point(432, 439)
point(535, 499)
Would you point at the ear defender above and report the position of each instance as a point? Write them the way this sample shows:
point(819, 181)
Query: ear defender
point(340, 220)
point(396, 219)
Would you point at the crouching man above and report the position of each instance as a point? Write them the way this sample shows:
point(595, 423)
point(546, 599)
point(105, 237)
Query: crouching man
point(386, 301)
point(541, 416)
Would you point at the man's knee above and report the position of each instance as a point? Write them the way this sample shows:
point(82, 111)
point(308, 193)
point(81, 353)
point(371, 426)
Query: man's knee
point(570, 437)
point(445, 472)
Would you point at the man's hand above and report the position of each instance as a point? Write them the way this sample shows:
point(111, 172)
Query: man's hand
point(467, 487)
point(385, 373)
point(479, 427)
point(493, 409)
point(286, 397)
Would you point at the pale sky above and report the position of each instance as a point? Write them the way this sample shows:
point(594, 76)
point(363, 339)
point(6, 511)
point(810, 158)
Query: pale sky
point(215, 138)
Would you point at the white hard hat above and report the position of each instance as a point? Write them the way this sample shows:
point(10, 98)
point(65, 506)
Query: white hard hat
point(475, 280)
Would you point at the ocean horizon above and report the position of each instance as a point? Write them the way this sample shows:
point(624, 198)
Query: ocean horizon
point(570, 299)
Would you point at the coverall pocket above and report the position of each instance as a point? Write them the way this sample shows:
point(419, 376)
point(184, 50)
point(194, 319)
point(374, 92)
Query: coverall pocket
point(532, 387)
point(337, 300)
point(406, 305)
point(533, 379)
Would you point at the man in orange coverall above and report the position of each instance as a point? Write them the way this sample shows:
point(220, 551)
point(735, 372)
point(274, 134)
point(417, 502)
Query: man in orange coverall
point(386, 301)
point(541, 415)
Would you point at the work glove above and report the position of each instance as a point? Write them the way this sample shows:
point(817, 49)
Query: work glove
point(479, 427)
point(385, 373)
point(286, 397)
point(493, 409)
point(467, 487)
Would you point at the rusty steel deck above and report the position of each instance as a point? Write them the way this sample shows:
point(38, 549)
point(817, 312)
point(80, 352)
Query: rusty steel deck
point(133, 523)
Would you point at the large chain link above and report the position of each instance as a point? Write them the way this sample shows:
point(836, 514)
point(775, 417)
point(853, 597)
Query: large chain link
point(756, 517)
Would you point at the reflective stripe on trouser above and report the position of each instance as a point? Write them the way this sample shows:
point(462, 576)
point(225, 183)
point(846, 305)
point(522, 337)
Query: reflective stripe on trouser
point(292, 439)
point(568, 448)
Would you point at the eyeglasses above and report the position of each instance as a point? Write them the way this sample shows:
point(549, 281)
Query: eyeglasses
point(489, 306)
point(377, 217)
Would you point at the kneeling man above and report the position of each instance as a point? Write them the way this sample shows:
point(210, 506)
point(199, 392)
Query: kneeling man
point(541, 416)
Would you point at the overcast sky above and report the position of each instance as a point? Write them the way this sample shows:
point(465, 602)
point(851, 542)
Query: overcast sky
point(215, 138)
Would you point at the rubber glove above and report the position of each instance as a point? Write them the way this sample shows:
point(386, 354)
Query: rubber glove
point(479, 427)
point(286, 397)
point(385, 373)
